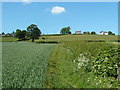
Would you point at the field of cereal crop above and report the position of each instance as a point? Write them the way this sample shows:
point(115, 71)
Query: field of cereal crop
point(24, 64)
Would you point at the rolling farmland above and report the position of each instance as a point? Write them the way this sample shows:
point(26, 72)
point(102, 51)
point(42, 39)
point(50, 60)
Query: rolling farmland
point(59, 44)
point(78, 61)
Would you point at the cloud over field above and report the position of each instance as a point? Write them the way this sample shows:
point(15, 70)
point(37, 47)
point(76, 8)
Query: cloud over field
point(57, 10)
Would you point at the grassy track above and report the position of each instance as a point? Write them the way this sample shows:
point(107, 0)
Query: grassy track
point(24, 64)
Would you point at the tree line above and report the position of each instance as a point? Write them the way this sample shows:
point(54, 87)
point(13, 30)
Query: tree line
point(33, 32)
point(67, 30)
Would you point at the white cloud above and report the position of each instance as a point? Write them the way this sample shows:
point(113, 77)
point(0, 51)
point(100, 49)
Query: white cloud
point(57, 10)
point(26, 1)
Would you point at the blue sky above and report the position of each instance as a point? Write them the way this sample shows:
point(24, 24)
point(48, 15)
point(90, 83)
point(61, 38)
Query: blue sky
point(50, 17)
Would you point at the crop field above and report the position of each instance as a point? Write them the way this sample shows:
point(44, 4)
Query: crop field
point(24, 64)
point(78, 61)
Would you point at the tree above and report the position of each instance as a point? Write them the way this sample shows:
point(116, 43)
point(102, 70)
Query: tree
point(110, 33)
point(113, 33)
point(20, 34)
point(93, 33)
point(86, 33)
point(3, 33)
point(24, 32)
point(65, 30)
point(33, 32)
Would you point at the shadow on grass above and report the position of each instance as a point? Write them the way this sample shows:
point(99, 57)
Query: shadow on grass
point(48, 42)
point(23, 40)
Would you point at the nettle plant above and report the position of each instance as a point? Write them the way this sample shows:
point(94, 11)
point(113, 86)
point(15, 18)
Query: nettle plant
point(107, 62)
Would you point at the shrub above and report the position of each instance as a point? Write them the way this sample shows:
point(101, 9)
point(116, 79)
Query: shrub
point(107, 62)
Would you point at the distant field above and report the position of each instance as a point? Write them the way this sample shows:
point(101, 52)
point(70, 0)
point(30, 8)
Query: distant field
point(24, 64)
point(62, 38)
point(8, 39)
point(82, 37)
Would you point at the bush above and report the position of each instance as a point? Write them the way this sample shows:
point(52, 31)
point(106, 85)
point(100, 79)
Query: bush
point(107, 62)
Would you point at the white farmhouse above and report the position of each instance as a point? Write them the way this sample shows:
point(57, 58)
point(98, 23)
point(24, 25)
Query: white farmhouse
point(103, 33)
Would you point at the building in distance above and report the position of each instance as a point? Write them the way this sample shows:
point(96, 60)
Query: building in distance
point(78, 32)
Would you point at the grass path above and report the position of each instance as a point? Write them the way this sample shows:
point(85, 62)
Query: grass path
point(24, 64)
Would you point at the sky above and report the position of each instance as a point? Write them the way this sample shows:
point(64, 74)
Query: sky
point(60, 0)
point(51, 17)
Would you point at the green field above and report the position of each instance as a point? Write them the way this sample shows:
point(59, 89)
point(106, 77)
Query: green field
point(82, 37)
point(61, 38)
point(78, 61)
point(24, 64)
point(8, 39)
point(71, 64)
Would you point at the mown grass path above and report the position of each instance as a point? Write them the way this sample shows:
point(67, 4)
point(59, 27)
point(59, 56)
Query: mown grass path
point(24, 64)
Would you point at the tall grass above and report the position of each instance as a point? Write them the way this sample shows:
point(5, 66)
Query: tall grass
point(64, 71)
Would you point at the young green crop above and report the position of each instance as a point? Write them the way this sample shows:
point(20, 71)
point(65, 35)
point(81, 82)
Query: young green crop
point(24, 64)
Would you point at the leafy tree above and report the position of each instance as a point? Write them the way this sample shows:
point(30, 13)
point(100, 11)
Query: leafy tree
point(110, 33)
point(93, 33)
point(65, 30)
point(20, 34)
point(24, 32)
point(86, 33)
point(113, 33)
point(3, 33)
point(33, 32)
point(69, 32)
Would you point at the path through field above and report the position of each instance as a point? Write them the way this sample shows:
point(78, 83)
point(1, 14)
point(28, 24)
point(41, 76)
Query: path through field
point(24, 64)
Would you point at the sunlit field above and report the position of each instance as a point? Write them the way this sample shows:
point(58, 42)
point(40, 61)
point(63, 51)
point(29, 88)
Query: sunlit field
point(77, 61)
point(24, 64)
